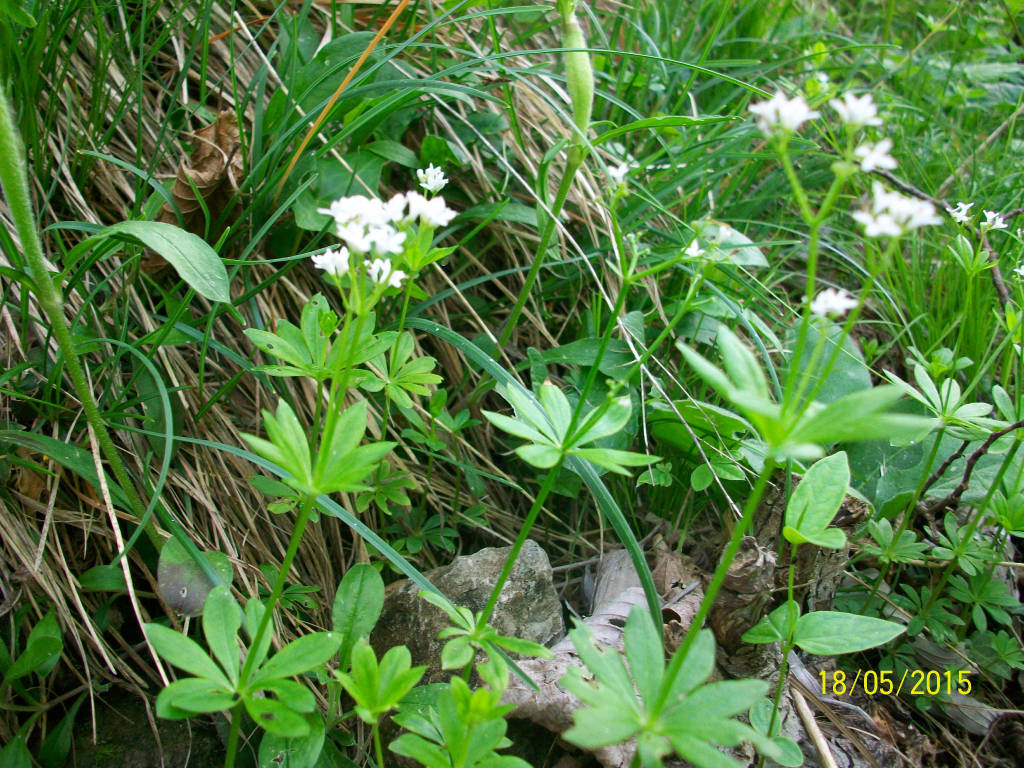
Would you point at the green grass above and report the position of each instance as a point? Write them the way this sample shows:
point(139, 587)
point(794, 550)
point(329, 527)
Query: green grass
point(107, 96)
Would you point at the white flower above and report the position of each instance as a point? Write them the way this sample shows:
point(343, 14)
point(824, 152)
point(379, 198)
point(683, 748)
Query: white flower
point(355, 236)
point(893, 214)
point(432, 212)
point(618, 174)
point(782, 115)
point(993, 220)
point(961, 213)
point(1019, 271)
point(694, 251)
point(875, 157)
point(878, 225)
point(334, 262)
point(432, 178)
point(394, 209)
point(386, 239)
point(856, 111)
point(380, 271)
point(832, 302)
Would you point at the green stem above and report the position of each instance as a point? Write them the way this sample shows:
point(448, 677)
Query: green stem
point(573, 164)
point(282, 576)
point(233, 729)
point(716, 584)
point(531, 517)
point(377, 748)
point(14, 181)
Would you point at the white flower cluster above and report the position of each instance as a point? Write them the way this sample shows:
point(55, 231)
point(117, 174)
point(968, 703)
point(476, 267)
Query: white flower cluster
point(894, 214)
point(780, 116)
point(832, 302)
point(431, 178)
point(376, 229)
point(993, 219)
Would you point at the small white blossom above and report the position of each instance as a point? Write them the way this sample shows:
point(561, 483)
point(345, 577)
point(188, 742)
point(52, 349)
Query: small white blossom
point(394, 209)
point(380, 271)
point(694, 251)
point(618, 174)
point(432, 212)
point(334, 262)
point(386, 239)
point(431, 178)
point(1019, 271)
point(872, 157)
point(832, 302)
point(879, 225)
point(355, 236)
point(993, 220)
point(893, 214)
point(855, 111)
point(961, 213)
point(782, 115)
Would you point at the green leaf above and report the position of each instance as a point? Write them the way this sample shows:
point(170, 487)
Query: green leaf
point(300, 752)
point(276, 718)
point(222, 618)
point(861, 416)
point(12, 9)
point(195, 262)
point(830, 633)
point(42, 651)
point(815, 502)
point(301, 655)
point(741, 366)
point(15, 753)
point(556, 406)
point(195, 694)
point(184, 653)
point(774, 627)
point(644, 653)
point(357, 606)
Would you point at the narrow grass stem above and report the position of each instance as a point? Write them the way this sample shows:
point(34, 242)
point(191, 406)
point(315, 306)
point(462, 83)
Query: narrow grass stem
point(531, 517)
point(572, 166)
point(14, 181)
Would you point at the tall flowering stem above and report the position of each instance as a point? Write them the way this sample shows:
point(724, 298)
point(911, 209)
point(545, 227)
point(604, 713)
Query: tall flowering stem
point(579, 76)
point(14, 181)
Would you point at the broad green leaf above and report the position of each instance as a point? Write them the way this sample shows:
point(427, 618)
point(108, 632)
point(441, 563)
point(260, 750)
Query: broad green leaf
point(540, 456)
point(862, 416)
point(276, 718)
point(221, 619)
point(774, 627)
point(515, 427)
point(42, 650)
point(644, 653)
point(301, 655)
point(300, 752)
point(730, 245)
point(195, 694)
point(707, 370)
point(296, 696)
point(56, 747)
point(192, 258)
point(740, 364)
point(185, 654)
point(357, 606)
point(15, 753)
point(612, 421)
point(816, 501)
point(831, 633)
point(557, 407)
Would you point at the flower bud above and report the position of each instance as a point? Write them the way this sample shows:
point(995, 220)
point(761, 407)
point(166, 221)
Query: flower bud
point(579, 73)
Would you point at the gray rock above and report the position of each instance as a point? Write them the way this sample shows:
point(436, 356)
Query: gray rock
point(527, 607)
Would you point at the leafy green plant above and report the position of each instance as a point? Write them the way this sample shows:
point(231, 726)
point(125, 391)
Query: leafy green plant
point(665, 709)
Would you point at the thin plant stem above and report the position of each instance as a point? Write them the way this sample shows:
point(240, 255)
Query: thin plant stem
point(749, 509)
point(233, 730)
point(14, 181)
point(531, 517)
point(572, 166)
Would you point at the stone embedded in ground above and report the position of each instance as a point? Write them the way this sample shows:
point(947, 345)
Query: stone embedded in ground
point(527, 607)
